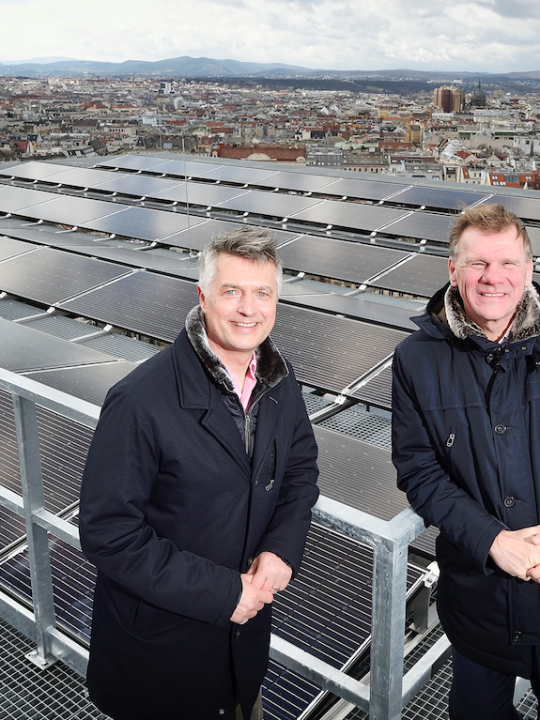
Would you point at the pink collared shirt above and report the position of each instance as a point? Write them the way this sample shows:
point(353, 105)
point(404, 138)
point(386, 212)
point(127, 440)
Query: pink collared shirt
point(244, 392)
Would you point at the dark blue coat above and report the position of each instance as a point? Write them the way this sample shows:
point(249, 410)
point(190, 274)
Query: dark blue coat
point(466, 445)
point(172, 511)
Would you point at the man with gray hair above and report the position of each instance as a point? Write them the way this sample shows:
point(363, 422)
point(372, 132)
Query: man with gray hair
point(196, 501)
point(466, 431)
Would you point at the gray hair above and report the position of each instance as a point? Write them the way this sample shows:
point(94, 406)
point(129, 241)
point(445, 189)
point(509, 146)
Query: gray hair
point(252, 243)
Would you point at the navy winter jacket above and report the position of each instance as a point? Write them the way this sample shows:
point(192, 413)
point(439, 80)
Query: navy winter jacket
point(466, 445)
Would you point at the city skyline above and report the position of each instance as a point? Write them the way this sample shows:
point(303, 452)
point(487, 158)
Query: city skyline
point(475, 36)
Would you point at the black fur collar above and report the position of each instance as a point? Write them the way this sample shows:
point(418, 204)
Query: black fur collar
point(271, 367)
point(526, 322)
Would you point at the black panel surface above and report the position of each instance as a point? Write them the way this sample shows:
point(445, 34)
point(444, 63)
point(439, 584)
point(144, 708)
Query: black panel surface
point(144, 302)
point(199, 235)
point(331, 352)
point(363, 189)
point(377, 391)
point(422, 275)
point(348, 215)
point(70, 210)
point(338, 259)
point(358, 474)
point(526, 208)
point(138, 185)
point(422, 226)
point(198, 194)
point(50, 276)
point(143, 223)
point(131, 162)
point(23, 349)
point(82, 177)
point(301, 182)
point(359, 307)
point(444, 199)
point(183, 168)
point(279, 205)
point(237, 174)
point(87, 383)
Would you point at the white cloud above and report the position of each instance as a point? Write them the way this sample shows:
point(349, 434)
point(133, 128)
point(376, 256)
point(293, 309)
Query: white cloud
point(483, 35)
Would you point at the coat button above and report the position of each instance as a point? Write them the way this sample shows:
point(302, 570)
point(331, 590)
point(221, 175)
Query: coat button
point(237, 633)
point(250, 561)
point(500, 429)
point(517, 636)
point(509, 501)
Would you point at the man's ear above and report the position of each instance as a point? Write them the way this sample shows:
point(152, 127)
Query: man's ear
point(452, 272)
point(202, 299)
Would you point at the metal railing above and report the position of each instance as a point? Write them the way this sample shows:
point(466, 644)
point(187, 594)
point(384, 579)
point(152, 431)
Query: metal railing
point(388, 689)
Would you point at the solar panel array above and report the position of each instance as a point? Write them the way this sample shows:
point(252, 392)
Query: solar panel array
point(98, 270)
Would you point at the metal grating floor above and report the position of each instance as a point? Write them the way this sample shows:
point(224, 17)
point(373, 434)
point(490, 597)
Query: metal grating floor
point(363, 425)
point(27, 693)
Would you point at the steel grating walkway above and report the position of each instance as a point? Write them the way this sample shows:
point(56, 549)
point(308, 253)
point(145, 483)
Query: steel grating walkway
point(59, 693)
point(27, 693)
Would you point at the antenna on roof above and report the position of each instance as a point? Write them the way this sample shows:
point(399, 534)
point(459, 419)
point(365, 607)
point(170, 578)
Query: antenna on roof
point(186, 177)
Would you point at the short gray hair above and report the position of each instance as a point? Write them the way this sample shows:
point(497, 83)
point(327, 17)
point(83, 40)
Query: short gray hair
point(488, 218)
point(252, 243)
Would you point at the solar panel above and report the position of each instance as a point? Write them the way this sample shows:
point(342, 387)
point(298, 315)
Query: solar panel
point(378, 391)
point(180, 266)
point(52, 235)
point(278, 205)
point(9, 248)
point(90, 383)
point(16, 199)
point(143, 223)
point(237, 174)
point(525, 208)
point(422, 226)
point(301, 182)
point(534, 237)
point(34, 170)
point(49, 276)
point(130, 162)
point(438, 198)
point(330, 352)
point(144, 302)
point(23, 349)
point(358, 474)
point(183, 168)
point(363, 189)
point(198, 194)
point(139, 185)
point(81, 177)
point(422, 275)
point(63, 448)
point(197, 236)
point(348, 215)
point(70, 210)
point(338, 259)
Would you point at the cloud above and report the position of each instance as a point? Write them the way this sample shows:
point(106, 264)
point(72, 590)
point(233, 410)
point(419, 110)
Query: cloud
point(476, 35)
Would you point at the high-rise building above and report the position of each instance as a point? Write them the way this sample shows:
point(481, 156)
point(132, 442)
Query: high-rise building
point(448, 99)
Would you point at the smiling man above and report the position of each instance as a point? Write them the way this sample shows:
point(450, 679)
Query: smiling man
point(466, 432)
point(196, 501)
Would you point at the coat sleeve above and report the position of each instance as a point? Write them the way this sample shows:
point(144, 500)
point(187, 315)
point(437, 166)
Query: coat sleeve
point(421, 473)
point(285, 535)
point(117, 485)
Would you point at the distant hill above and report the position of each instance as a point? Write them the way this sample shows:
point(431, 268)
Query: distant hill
point(174, 67)
point(278, 75)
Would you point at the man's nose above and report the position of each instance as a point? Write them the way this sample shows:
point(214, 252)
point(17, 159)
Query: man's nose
point(492, 274)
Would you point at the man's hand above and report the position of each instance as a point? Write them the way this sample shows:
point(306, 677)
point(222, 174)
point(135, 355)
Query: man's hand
point(517, 552)
point(252, 600)
point(269, 572)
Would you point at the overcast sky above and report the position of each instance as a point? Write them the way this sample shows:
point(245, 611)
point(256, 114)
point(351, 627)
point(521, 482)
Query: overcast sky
point(478, 35)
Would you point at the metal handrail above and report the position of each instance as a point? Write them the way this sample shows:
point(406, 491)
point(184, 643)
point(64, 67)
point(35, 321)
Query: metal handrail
point(388, 689)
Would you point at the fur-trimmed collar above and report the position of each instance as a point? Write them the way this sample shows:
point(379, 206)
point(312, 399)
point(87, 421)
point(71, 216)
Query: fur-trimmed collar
point(526, 320)
point(271, 367)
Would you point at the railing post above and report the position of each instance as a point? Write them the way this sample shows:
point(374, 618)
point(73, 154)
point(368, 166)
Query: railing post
point(38, 544)
point(387, 629)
